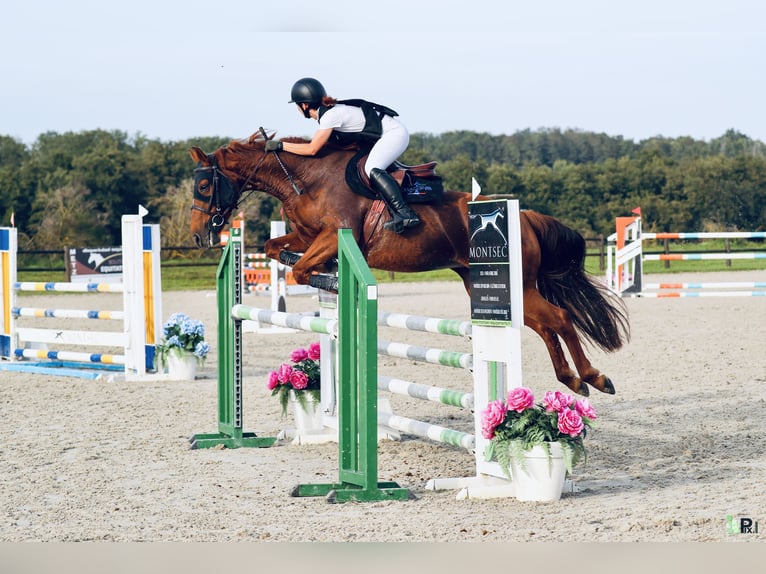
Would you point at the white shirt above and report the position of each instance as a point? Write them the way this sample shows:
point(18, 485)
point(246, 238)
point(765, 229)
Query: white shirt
point(343, 118)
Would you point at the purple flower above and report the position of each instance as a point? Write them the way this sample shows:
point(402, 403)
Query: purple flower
point(491, 417)
point(570, 422)
point(519, 399)
point(285, 371)
point(556, 401)
point(299, 380)
point(585, 409)
point(273, 381)
point(299, 355)
point(314, 351)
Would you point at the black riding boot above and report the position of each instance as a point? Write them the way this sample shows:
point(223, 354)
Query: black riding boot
point(402, 215)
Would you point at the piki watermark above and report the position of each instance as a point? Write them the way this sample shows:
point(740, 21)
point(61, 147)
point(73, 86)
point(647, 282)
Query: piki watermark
point(741, 525)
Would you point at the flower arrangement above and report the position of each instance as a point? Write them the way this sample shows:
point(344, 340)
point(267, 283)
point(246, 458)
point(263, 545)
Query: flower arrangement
point(301, 375)
point(518, 424)
point(182, 335)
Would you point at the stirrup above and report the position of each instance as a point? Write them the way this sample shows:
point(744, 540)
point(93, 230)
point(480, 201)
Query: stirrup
point(396, 224)
point(399, 224)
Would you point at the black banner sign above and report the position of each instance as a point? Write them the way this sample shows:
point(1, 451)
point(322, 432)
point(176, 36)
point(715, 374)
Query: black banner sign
point(490, 272)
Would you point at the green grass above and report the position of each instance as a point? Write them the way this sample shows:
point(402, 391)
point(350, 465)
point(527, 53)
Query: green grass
point(197, 275)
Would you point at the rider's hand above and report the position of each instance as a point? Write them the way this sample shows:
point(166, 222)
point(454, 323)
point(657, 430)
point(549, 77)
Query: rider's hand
point(273, 145)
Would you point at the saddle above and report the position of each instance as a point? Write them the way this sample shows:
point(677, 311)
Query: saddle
point(419, 183)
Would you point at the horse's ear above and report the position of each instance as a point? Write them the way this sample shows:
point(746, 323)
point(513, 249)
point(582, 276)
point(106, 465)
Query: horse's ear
point(258, 136)
point(197, 154)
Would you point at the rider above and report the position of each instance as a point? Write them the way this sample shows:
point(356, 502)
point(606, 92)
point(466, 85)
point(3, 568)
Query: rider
point(356, 121)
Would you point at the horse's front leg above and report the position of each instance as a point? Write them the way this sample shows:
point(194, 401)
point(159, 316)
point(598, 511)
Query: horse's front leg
point(291, 241)
point(324, 248)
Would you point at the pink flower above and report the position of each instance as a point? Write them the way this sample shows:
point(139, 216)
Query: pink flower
point(556, 401)
point(298, 355)
point(285, 371)
point(519, 399)
point(491, 417)
point(299, 380)
point(585, 409)
point(273, 381)
point(570, 422)
point(314, 351)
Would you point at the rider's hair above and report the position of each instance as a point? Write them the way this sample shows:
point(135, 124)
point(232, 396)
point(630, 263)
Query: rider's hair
point(328, 101)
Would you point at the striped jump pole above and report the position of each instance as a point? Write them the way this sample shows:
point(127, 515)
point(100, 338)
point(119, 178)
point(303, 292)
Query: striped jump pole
point(695, 294)
point(624, 269)
point(425, 324)
point(69, 287)
point(67, 313)
point(426, 392)
point(701, 256)
point(280, 319)
point(101, 358)
point(706, 235)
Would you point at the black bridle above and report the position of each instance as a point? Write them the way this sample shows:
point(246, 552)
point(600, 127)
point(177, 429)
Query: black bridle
point(219, 207)
point(224, 197)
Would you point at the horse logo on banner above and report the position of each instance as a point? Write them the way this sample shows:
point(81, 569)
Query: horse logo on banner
point(489, 220)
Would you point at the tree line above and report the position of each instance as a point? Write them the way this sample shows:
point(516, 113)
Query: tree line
point(70, 189)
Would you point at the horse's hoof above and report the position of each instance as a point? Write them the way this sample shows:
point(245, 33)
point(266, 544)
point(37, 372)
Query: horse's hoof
point(583, 389)
point(608, 386)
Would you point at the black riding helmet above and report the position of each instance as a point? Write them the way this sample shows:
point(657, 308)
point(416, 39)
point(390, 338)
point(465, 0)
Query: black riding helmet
point(307, 91)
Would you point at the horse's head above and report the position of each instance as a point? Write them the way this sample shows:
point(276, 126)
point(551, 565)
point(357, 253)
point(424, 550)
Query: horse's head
point(215, 197)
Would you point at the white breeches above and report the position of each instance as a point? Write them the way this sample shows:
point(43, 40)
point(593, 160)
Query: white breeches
point(389, 147)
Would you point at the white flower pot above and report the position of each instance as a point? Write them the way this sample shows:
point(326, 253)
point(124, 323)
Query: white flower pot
point(540, 480)
point(308, 419)
point(183, 368)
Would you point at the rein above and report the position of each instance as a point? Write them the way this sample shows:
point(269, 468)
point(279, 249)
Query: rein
point(297, 189)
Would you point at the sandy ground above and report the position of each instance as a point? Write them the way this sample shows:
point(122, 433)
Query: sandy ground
point(676, 450)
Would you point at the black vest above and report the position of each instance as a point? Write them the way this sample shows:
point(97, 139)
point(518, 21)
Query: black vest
point(373, 123)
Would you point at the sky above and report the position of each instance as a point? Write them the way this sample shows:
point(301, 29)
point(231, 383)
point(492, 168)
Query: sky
point(172, 70)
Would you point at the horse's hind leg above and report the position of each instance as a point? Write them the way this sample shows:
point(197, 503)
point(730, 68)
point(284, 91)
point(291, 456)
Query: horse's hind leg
point(552, 322)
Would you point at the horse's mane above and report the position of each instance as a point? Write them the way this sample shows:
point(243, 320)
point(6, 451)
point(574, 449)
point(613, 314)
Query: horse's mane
point(256, 141)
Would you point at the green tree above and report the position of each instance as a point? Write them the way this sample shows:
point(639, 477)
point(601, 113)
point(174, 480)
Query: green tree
point(68, 218)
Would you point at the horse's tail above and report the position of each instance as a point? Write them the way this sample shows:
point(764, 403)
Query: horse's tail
point(595, 310)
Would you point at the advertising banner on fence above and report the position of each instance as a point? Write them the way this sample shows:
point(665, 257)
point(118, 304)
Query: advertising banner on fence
point(489, 262)
point(94, 264)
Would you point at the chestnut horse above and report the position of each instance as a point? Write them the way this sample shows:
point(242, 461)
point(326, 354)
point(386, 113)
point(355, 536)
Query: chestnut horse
point(560, 299)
